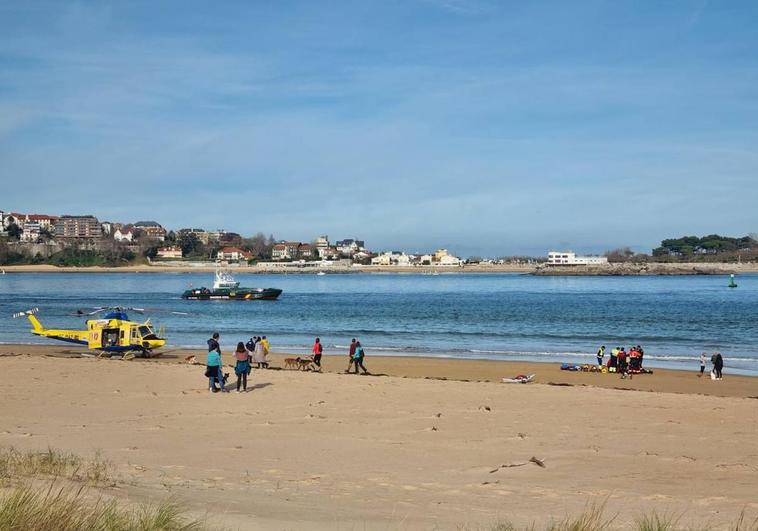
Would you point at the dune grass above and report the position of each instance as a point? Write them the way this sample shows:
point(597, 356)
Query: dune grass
point(27, 509)
point(52, 463)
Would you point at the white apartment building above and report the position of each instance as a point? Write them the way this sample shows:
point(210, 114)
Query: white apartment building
point(30, 232)
point(570, 258)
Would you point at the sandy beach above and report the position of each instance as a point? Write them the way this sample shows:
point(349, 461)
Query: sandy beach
point(303, 450)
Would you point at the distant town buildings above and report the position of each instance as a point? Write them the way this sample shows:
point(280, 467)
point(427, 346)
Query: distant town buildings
point(202, 236)
point(145, 236)
point(123, 235)
point(349, 247)
point(31, 231)
point(569, 258)
point(233, 254)
point(169, 253)
point(322, 245)
point(151, 230)
point(86, 227)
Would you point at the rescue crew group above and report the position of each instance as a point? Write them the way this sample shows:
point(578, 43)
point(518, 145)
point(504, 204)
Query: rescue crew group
point(622, 361)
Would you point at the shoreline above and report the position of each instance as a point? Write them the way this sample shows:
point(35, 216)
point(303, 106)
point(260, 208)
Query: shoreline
point(461, 370)
point(652, 269)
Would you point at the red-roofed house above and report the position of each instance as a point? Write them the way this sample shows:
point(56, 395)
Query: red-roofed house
point(234, 254)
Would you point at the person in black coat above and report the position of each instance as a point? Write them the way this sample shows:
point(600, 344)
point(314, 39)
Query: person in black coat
point(718, 365)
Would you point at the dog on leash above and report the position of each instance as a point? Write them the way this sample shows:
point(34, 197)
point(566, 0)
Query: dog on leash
point(305, 364)
point(291, 363)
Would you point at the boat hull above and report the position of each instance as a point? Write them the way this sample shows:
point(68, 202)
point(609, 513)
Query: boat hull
point(235, 294)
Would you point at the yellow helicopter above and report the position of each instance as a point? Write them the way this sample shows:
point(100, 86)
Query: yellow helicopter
point(113, 332)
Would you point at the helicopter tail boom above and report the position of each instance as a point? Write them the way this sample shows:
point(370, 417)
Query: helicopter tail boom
point(37, 327)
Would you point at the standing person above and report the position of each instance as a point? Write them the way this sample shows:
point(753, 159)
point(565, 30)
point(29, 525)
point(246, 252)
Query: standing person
point(358, 358)
point(600, 355)
point(260, 356)
point(702, 364)
point(242, 368)
point(718, 365)
point(250, 347)
point(213, 343)
point(214, 366)
point(317, 350)
point(622, 362)
point(613, 359)
point(266, 348)
point(350, 355)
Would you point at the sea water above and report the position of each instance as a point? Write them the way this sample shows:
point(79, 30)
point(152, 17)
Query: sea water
point(464, 315)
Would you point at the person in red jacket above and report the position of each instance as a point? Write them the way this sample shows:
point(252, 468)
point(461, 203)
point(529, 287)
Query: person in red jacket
point(317, 351)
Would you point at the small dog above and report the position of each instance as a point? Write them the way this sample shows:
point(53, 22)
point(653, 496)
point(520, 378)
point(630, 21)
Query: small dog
point(291, 363)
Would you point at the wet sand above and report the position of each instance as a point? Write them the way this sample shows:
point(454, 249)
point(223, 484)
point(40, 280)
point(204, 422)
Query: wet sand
point(303, 450)
point(662, 380)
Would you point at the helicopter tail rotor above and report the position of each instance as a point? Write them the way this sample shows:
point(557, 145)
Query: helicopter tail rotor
point(33, 311)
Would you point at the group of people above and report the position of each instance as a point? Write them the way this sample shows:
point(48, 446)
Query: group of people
point(254, 351)
point(623, 362)
point(717, 364)
point(355, 356)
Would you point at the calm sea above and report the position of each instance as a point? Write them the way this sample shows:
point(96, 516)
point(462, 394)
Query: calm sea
point(497, 316)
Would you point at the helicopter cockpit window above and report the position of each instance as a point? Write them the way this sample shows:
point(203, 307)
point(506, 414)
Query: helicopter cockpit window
point(146, 333)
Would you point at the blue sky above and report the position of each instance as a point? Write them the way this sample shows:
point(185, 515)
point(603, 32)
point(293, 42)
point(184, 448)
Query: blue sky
point(487, 127)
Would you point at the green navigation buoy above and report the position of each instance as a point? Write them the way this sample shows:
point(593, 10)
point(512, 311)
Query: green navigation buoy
point(732, 283)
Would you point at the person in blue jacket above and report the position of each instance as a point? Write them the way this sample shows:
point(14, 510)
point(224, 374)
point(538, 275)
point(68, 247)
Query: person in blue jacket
point(214, 366)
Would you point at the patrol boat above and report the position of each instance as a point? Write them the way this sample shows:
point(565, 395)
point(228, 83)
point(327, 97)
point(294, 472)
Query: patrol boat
point(226, 287)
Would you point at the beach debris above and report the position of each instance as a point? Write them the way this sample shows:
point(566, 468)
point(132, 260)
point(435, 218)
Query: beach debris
point(434, 428)
point(438, 415)
point(511, 465)
point(485, 408)
point(520, 379)
point(521, 435)
point(537, 462)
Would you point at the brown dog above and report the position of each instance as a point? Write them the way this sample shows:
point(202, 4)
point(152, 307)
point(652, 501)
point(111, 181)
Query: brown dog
point(290, 363)
point(304, 364)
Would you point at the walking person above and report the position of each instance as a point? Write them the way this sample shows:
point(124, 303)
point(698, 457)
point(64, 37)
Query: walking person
point(350, 355)
point(358, 358)
point(242, 368)
point(600, 355)
point(317, 351)
point(702, 364)
point(718, 365)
